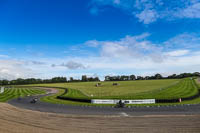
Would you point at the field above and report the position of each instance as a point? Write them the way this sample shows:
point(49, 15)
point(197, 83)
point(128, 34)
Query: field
point(159, 89)
point(147, 90)
point(107, 90)
point(11, 93)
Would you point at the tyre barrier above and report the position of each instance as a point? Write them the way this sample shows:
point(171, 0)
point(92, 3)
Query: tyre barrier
point(192, 97)
point(167, 100)
point(177, 100)
point(73, 99)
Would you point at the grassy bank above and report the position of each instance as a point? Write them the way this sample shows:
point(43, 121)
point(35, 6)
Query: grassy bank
point(11, 93)
point(124, 89)
point(174, 89)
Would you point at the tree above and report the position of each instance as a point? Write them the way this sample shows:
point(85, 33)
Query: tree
point(132, 77)
point(71, 79)
point(140, 78)
point(196, 74)
point(84, 78)
point(158, 76)
point(5, 82)
point(59, 79)
point(173, 76)
point(96, 79)
point(124, 78)
point(107, 78)
point(147, 78)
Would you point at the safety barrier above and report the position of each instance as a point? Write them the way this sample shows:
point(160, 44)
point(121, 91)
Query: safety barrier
point(72, 99)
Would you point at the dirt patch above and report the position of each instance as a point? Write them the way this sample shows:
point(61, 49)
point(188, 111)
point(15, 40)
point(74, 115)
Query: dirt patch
point(16, 120)
point(49, 90)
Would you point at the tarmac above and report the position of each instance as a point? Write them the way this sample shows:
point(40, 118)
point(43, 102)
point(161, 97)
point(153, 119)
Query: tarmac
point(104, 110)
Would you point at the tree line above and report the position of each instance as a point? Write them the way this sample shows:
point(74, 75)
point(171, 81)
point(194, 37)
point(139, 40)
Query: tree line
point(84, 78)
point(21, 81)
point(156, 76)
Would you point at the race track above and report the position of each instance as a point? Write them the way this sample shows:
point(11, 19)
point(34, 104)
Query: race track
point(17, 120)
point(85, 110)
point(47, 117)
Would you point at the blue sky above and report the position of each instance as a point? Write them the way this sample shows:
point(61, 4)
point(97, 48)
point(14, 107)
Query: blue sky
point(48, 38)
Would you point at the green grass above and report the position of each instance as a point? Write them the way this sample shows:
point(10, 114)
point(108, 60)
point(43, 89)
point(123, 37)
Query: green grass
point(164, 89)
point(11, 93)
point(125, 89)
point(149, 89)
point(182, 89)
point(72, 93)
point(185, 88)
point(53, 99)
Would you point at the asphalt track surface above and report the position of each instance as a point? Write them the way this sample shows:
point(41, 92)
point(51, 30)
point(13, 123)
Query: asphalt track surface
point(91, 110)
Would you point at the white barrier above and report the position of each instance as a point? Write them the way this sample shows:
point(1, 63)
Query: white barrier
point(109, 101)
point(144, 101)
point(2, 90)
point(99, 101)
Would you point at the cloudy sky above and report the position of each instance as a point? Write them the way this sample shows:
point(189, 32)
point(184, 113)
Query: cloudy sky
point(48, 38)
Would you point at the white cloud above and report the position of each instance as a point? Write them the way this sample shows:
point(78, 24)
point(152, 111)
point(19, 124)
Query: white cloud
point(129, 55)
point(184, 40)
point(12, 69)
point(137, 53)
point(115, 50)
point(171, 64)
point(149, 11)
point(92, 43)
point(192, 11)
point(72, 65)
point(129, 47)
point(147, 16)
point(177, 53)
point(140, 49)
point(4, 56)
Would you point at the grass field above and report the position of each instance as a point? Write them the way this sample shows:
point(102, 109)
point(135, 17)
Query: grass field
point(107, 90)
point(11, 93)
point(158, 89)
point(181, 89)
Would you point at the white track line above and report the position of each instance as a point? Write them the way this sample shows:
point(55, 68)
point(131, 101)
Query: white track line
point(124, 114)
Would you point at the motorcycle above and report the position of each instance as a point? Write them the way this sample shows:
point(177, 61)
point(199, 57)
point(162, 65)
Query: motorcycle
point(34, 100)
point(120, 104)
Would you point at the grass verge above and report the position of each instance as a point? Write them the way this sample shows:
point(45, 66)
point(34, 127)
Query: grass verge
point(11, 93)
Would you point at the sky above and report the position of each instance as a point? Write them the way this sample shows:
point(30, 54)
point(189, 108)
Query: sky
point(48, 38)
